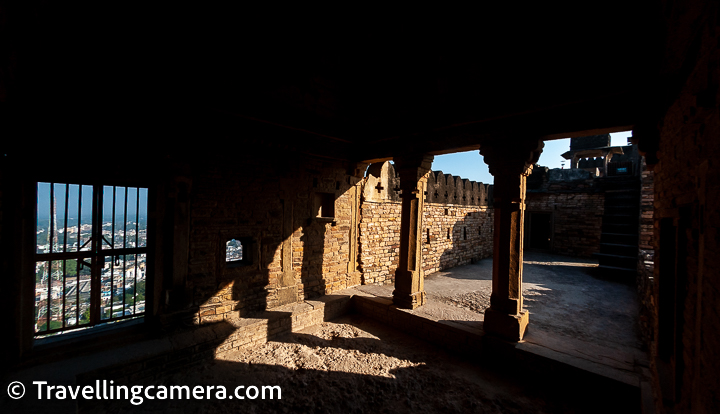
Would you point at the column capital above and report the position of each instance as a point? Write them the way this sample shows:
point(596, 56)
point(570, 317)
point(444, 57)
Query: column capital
point(512, 157)
point(412, 167)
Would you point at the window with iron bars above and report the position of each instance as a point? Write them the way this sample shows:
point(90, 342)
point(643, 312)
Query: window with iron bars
point(90, 257)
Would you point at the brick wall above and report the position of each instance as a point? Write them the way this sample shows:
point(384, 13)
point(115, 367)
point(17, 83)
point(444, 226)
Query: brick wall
point(379, 241)
point(277, 210)
point(646, 265)
point(576, 205)
point(458, 235)
point(456, 218)
point(646, 238)
point(687, 234)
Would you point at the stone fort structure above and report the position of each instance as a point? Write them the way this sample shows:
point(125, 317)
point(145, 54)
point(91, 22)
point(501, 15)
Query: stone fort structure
point(239, 140)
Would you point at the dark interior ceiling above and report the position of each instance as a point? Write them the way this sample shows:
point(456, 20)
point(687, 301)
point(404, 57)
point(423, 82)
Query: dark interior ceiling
point(346, 87)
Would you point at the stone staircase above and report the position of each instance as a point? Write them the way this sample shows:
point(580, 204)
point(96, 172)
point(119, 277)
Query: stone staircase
point(619, 239)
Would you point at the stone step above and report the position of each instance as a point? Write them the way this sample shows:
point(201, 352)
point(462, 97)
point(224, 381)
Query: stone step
point(625, 228)
point(622, 195)
point(624, 207)
point(619, 214)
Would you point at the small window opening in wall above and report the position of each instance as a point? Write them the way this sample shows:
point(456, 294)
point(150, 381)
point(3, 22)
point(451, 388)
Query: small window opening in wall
point(479, 230)
point(233, 250)
point(447, 212)
point(464, 233)
point(325, 205)
point(448, 234)
point(237, 251)
point(427, 231)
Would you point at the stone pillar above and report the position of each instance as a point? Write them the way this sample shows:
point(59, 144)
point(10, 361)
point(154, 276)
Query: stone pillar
point(510, 165)
point(409, 284)
point(574, 162)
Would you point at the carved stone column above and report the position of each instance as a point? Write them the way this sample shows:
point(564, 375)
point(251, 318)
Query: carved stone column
point(510, 164)
point(409, 284)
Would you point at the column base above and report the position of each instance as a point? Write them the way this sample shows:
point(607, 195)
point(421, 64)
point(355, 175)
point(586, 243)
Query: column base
point(509, 327)
point(408, 301)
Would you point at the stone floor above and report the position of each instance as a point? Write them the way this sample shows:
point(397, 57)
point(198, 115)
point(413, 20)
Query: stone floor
point(576, 316)
point(356, 364)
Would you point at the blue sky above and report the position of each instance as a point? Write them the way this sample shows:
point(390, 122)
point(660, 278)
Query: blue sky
point(73, 193)
point(470, 164)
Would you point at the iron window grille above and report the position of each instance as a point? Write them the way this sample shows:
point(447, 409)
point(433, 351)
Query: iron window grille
point(90, 257)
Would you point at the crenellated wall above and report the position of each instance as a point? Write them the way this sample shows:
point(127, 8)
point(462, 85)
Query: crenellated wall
point(457, 223)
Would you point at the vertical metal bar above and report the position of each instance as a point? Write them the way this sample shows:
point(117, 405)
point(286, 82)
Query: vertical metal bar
point(67, 194)
point(135, 286)
point(37, 197)
point(125, 220)
point(77, 262)
point(112, 283)
point(52, 214)
point(112, 221)
point(52, 226)
point(124, 246)
point(112, 258)
point(79, 226)
point(47, 317)
point(137, 216)
point(37, 211)
point(137, 243)
point(123, 282)
point(63, 291)
point(96, 244)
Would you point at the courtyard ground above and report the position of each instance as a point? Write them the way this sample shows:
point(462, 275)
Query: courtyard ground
point(355, 364)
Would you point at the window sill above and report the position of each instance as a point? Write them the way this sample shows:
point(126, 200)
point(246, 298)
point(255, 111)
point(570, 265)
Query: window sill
point(86, 341)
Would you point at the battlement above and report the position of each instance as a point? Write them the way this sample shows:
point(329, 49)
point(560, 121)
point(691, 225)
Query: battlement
point(383, 184)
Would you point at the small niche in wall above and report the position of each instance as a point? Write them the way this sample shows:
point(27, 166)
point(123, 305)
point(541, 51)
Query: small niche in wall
point(237, 252)
point(324, 205)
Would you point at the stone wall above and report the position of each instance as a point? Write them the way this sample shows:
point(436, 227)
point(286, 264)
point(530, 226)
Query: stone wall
point(576, 205)
point(379, 241)
point(456, 235)
point(457, 223)
point(295, 255)
point(687, 232)
point(646, 254)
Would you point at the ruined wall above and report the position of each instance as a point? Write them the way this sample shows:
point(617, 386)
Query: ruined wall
point(646, 265)
point(687, 237)
point(576, 206)
point(294, 254)
point(457, 223)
